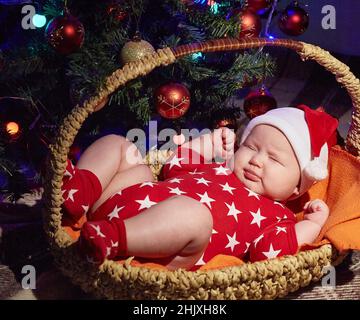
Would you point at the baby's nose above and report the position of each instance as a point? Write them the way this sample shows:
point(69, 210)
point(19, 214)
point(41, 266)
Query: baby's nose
point(256, 161)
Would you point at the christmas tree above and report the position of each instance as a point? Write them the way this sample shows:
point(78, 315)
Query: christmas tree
point(85, 41)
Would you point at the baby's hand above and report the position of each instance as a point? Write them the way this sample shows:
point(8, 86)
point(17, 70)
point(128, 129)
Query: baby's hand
point(223, 142)
point(316, 211)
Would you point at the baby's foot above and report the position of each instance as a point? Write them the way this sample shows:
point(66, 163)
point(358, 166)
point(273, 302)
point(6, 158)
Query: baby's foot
point(81, 188)
point(100, 240)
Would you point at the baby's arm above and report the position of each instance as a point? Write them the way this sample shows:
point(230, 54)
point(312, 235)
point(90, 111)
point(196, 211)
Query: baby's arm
point(219, 143)
point(316, 214)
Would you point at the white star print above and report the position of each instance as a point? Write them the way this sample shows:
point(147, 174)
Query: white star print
point(175, 180)
point(195, 172)
point(108, 251)
point(278, 219)
point(205, 198)
point(258, 239)
point(86, 208)
point(175, 162)
point(226, 187)
point(257, 217)
point(203, 181)
point(233, 211)
point(98, 231)
point(252, 193)
point(279, 204)
point(115, 213)
point(201, 261)
point(271, 253)
point(119, 193)
point(280, 229)
point(146, 203)
point(232, 242)
point(213, 232)
point(176, 191)
point(148, 183)
point(68, 174)
point(71, 194)
point(221, 170)
point(247, 246)
point(114, 244)
point(62, 192)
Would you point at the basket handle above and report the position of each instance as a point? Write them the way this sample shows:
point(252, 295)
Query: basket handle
point(73, 122)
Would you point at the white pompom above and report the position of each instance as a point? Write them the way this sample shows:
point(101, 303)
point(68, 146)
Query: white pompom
point(316, 170)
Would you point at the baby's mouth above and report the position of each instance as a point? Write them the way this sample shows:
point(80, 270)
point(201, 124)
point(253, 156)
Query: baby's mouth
point(251, 175)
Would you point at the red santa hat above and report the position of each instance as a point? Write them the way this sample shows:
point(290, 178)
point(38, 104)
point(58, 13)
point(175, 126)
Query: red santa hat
point(310, 132)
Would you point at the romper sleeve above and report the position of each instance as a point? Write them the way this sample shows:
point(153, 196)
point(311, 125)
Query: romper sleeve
point(183, 161)
point(274, 241)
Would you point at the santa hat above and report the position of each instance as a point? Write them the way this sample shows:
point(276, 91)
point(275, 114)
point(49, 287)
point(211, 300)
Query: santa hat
point(310, 132)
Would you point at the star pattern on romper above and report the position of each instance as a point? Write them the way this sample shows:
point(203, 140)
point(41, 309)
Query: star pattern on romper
point(86, 208)
point(204, 198)
point(98, 230)
point(252, 193)
point(108, 251)
point(258, 239)
point(221, 170)
point(201, 261)
point(175, 180)
point(247, 246)
point(280, 229)
point(233, 211)
point(195, 172)
point(279, 204)
point(146, 203)
point(71, 194)
point(271, 253)
point(175, 161)
point(213, 232)
point(114, 244)
point(68, 174)
point(147, 183)
point(115, 213)
point(257, 217)
point(226, 187)
point(232, 242)
point(202, 180)
point(176, 191)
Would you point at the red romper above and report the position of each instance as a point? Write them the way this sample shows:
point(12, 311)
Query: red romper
point(244, 223)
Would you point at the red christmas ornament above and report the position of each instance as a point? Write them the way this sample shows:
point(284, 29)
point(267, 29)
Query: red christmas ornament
point(172, 100)
point(294, 20)
point(65, 34)
point(250, 22)
point(259, 6)
point(259, 102)
point(116, 11)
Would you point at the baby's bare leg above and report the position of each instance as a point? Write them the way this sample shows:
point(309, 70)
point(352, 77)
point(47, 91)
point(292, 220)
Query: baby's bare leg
point(117, 163)
point(109, 155)
point(179, 227)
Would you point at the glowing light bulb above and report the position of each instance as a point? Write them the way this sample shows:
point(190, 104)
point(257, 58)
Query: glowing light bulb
point(12, 128)
point(39, 20)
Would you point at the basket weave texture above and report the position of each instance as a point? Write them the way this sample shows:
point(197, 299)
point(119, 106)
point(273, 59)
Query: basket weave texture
point(260, 280)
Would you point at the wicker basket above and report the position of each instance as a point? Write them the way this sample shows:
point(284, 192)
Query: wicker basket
point(261, 280)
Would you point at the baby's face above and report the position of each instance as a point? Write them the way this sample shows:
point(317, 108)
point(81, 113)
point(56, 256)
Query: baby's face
point(266, 164)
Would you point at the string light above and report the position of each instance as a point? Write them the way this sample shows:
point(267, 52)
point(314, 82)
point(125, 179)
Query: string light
point(39, 20)
point(12, 128)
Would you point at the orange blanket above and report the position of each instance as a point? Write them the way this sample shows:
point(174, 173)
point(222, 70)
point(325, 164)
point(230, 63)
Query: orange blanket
point(341, 191)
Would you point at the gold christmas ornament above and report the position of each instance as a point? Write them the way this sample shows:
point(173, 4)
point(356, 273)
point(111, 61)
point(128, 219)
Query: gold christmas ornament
point(135, 50)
